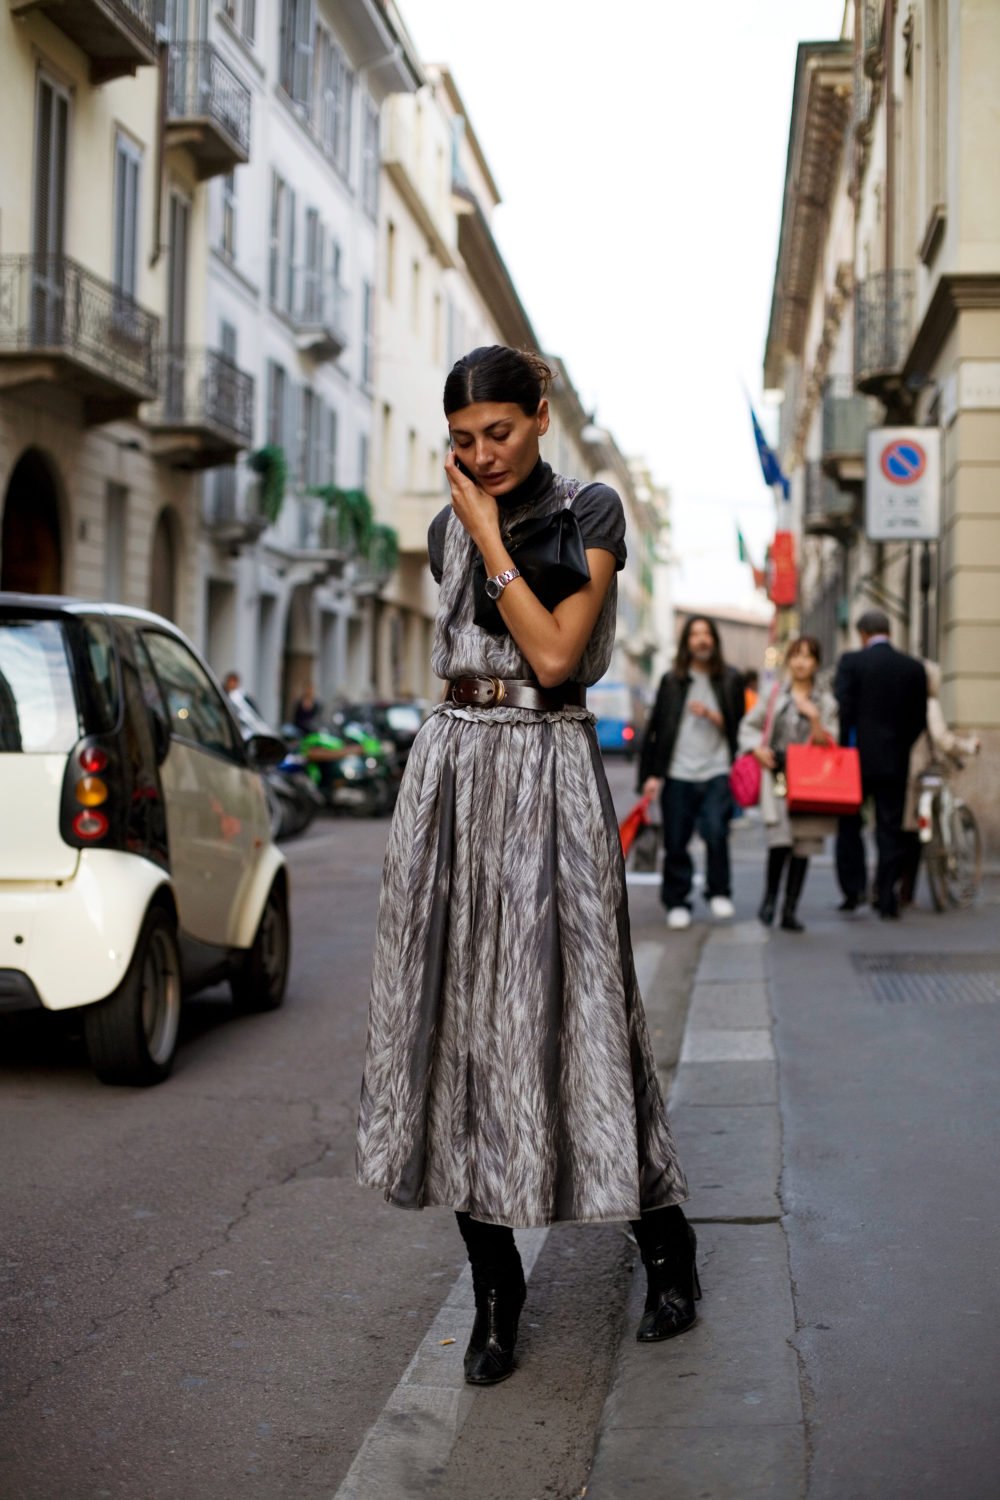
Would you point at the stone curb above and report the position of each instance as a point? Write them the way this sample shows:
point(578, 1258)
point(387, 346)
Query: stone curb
point(717, 1414)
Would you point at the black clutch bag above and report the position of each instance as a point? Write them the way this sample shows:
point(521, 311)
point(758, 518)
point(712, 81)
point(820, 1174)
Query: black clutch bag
point(551, 559)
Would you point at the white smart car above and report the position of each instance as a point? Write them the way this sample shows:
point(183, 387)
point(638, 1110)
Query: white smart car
point(136, 862)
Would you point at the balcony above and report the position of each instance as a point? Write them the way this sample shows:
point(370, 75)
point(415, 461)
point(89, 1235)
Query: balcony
point(204, 416)
point(872, 22)
point(208, 109)
point(428, 201)
point(118, 36)
point(233, 517)
point(61, 326)
point(829, 510)
point(320, 316)
point(882, 319)
point(847, 418)
point(411, 518)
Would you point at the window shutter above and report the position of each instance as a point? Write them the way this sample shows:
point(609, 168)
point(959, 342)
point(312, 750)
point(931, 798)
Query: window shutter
point(290, 251)
point(304, 28)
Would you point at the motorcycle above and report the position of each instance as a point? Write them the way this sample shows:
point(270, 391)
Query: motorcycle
point(292, 796)
point(350, 769)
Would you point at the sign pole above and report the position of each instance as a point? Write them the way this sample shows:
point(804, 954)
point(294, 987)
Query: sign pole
point(925, 600)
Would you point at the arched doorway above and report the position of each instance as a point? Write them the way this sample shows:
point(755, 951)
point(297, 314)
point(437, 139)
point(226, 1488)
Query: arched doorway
point(31, 559)
point(163, 565)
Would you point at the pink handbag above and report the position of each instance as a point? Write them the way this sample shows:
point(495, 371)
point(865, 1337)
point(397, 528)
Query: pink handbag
point(744, 773)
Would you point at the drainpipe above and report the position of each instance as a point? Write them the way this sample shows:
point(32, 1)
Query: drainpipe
point(890, 135)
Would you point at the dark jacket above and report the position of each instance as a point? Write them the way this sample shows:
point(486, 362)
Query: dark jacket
point(664, 722)
point(882, 695)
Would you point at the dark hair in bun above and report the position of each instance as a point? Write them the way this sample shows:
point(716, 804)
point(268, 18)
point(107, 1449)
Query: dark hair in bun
point(496, 373)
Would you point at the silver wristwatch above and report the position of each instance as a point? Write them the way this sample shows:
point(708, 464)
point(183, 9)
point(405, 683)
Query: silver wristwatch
point(495, 586)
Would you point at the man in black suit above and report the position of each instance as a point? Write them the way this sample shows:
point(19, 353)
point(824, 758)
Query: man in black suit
point(882, 695)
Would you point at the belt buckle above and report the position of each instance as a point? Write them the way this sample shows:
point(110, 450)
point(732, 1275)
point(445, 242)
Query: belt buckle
point(482, 692)
point(499, 690)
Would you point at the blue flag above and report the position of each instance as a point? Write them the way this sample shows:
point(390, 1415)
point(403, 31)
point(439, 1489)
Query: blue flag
point(769, 464)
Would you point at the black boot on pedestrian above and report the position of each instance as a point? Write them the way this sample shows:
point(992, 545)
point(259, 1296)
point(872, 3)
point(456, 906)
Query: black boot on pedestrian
point(667, 1244)
point(498, 1283)
point(797, 870)
point(775, 864)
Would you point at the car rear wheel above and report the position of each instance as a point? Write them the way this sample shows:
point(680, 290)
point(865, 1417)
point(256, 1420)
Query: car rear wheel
point(132, 1035)
point(259, 982)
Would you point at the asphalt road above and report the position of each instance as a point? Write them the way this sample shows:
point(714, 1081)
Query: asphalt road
point(196, 1300)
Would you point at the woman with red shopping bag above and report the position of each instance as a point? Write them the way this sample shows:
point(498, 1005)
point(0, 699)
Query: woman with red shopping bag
point(802, 714)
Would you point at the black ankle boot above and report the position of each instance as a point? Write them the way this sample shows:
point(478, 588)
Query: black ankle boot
point(668, 1246)
point(498, 1281)
point(775, 864)
point(793, 890)
point(490, 1355)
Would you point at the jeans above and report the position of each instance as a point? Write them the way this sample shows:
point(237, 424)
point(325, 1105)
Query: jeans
point(687, 804)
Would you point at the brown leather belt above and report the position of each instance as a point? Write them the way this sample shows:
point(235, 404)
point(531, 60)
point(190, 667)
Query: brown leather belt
point(511, 692)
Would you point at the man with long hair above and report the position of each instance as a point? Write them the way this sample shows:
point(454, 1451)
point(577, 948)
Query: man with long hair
point(688, 748)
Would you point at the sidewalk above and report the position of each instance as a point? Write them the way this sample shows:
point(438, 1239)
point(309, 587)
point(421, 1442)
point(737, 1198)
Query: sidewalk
point(837, 1110)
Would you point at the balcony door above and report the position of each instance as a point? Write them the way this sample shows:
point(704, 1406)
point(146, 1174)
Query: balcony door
point(179, 234)
point(48, 292)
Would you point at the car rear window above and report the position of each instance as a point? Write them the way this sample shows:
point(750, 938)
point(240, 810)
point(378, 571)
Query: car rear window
point(402, 718)
point(610, 700)
point(38, 712)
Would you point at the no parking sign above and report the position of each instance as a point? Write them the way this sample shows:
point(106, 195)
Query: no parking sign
point(903, 484)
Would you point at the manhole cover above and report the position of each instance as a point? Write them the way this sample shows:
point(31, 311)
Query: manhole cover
point(935, 978)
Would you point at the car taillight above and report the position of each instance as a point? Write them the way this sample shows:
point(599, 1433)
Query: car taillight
point(91, 791)
point(90, 825)
point(628, 733)
point(93, 760)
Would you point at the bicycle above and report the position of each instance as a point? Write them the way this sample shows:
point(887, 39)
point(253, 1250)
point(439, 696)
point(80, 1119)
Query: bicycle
point(953, 848)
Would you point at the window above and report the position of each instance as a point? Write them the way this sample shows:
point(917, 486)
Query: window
point(243, 14)
point(369, 158)
point(334, 101)
point(332, 436)
point(387, 445)
point(278, 211)
point(311, 299)
point(310, 438)
point(289, 253)
point(415, 280)
point(363, 457)
point(227, 238)
point(277, 400)
point(127, 160)
point(412, 477)
point(195, 711)
point(115, 511)
point(52, 129)
point(436, 328)
point(296, 50)
point(104, 692)
point(38, 711)
point(390, 259)
point(367, 333)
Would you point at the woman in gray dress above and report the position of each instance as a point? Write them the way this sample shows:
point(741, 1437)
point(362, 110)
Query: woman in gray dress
point(508, 1072)
point(800, 713)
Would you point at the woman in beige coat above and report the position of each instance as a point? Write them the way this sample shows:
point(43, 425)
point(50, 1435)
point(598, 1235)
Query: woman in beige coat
point(801, 713)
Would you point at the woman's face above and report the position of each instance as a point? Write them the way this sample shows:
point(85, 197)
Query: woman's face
point(802, 665)
point(498, 442)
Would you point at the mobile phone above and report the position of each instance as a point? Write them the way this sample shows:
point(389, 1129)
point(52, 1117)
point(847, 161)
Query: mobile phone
point(462, 468)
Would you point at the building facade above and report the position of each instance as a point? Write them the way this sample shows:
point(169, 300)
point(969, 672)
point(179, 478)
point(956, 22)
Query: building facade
point(112, 395)
point(886, 312)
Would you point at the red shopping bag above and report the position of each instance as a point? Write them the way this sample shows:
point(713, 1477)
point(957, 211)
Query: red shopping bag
point(637, 817)
point(823, 779)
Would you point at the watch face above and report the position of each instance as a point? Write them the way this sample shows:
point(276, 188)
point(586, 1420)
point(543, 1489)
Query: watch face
point(493, 589)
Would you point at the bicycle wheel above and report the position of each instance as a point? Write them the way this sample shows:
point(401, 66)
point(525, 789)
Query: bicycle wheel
point(936, 857)
point(964, 866)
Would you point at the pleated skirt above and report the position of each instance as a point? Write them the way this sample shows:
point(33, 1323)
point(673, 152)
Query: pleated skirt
point(508, 1071)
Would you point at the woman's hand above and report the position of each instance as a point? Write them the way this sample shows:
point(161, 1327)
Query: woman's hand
point(766, 757)
point(702, 711)
point(477, 511)
point(652, 786)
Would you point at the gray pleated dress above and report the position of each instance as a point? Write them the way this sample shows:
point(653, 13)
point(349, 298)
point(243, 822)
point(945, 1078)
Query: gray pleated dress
point(508, 1070)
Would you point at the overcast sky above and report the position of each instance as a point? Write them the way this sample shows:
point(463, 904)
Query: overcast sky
point(641, 160)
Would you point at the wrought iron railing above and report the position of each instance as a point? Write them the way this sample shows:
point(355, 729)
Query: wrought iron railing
point(882, 317)
point(200, 388)
point(826, 505)
point(52, 304)
point(201, 86)
point(321, 303)
point(846, 418)
point(229, 508)
point(136, 16)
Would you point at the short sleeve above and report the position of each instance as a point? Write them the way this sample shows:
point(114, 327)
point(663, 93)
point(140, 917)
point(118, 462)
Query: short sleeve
point(601, 515)
point(435, 542)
